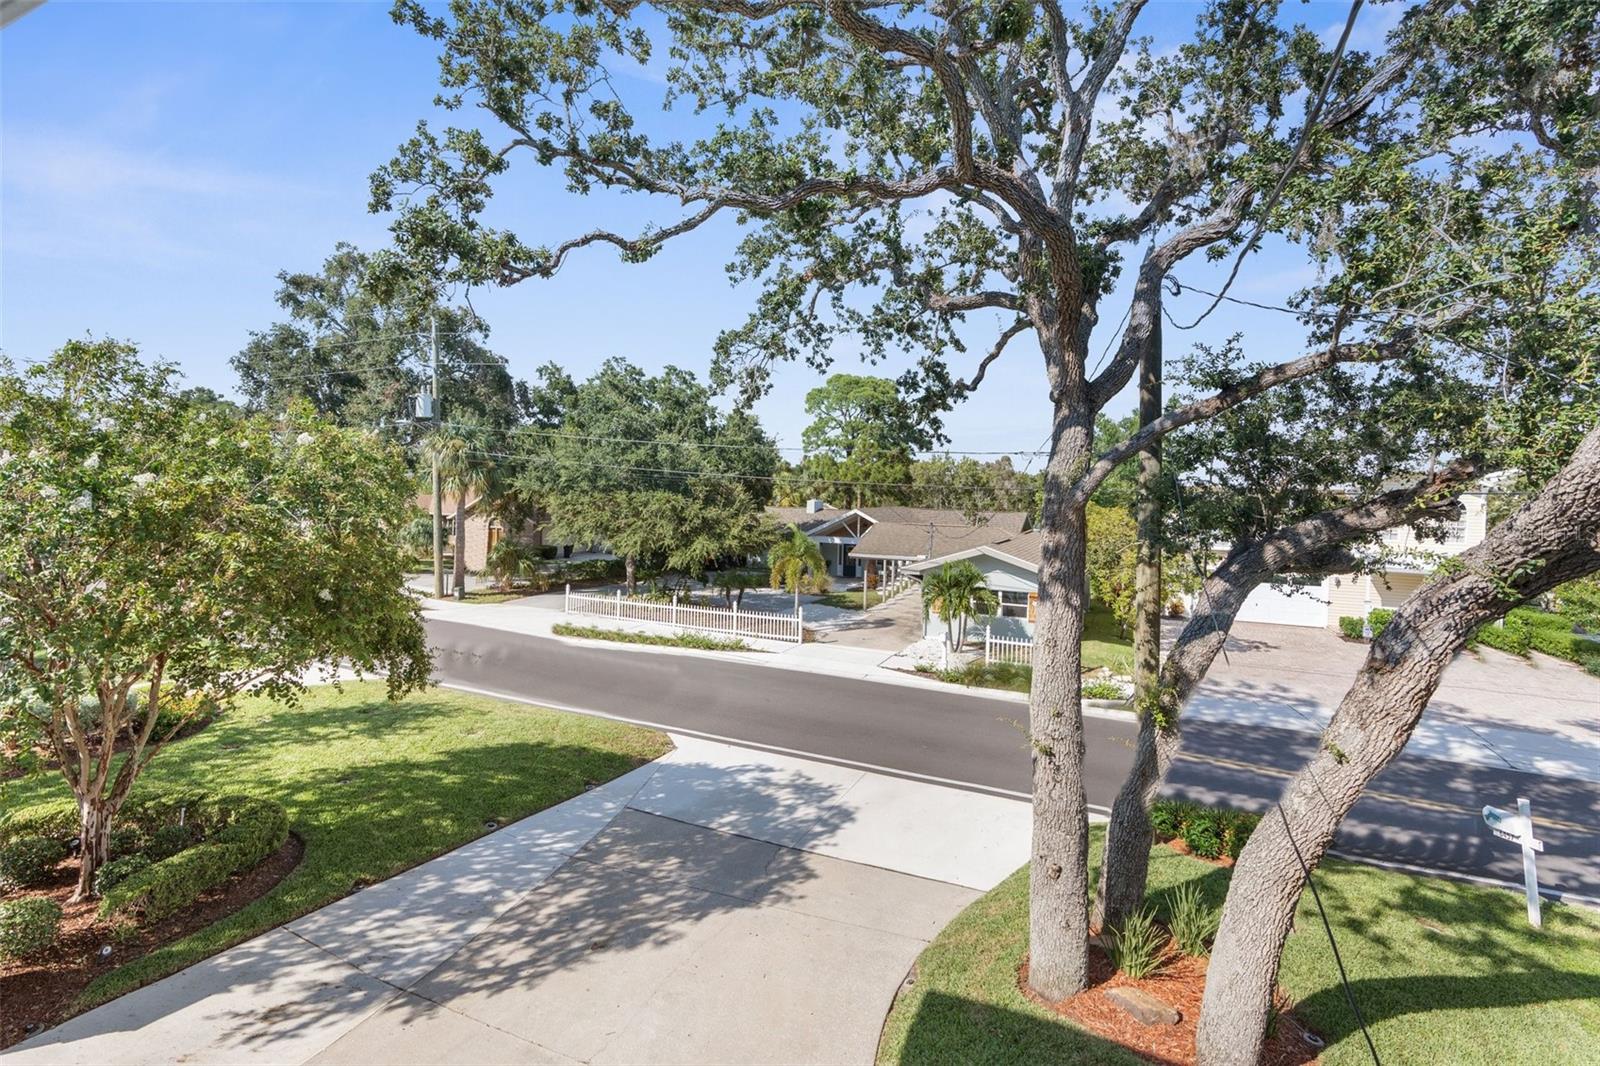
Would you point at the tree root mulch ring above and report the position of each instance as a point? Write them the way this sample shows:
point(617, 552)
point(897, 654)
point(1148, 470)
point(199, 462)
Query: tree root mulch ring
point(39, 991)
point(1179, 983)
point(1181, 846)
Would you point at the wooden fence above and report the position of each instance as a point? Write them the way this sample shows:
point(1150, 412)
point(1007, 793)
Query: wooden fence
point(762, 625)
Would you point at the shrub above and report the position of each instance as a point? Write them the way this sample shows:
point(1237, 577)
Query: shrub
point(28, 926)
point(243, 831)
point(127, 840)
point(1193, 920)
point(1536, 619)
point(30, 861)
point(1137, 948)
point(1513, 637)
point(1167, 818)
point(1102, 690)
point(1238, 825)
point(117, 871)
point(1204, 836)
point(1379, 617)
point(1350, 626)
point(56, 818)
point(168, 840)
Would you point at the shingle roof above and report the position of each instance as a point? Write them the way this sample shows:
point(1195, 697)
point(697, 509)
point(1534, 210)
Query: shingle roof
point(1023, 547)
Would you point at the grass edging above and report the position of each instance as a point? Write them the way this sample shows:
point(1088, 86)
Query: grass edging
point(696, 641)
point(1444, 971)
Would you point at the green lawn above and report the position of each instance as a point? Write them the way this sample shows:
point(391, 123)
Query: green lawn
point(1104, 645)
point(1444, 972)
point(372, 787)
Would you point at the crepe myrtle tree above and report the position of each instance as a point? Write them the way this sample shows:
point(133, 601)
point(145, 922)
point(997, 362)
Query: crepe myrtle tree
point(1302, 480)
point(161, 558)
point(901, 167)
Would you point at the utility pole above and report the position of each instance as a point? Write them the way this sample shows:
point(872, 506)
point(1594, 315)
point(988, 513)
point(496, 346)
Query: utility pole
point(1147, 576)
point(438, 490)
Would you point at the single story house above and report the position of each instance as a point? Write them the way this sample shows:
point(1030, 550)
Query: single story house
point(1010, 569)
point(482, 531)
point(1010, 566)
point(884, 540)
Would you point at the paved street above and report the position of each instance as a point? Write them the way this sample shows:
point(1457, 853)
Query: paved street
point(1420, 811)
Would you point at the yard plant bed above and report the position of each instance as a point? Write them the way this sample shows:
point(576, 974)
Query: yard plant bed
point(41, 990)
point(1443, 971)
point(372, 787)
point(1179, 984)
point(697, 641)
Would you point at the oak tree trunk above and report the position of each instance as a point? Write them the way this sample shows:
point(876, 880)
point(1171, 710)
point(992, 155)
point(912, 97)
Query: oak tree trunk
point(1553, 539)
point(1058, 910)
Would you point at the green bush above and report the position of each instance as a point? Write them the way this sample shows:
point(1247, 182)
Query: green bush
point(127, 840)
point(1514, 637)
point(1350, 626)
point(1204, 835)
point(30, 861)
point(1536, 619)
point(241, 831)
point(28, 926)
point(168, 840)
point(1379, 617)
point(1192, 919)
point(1137, 948)
point(1210, 832)
point(117, 871)
point(57, 818)
point(1102, 690)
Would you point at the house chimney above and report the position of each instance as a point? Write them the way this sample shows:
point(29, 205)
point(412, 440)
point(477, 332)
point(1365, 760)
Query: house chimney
point(813, 506)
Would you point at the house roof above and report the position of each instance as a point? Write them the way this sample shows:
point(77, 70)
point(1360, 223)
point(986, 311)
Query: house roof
point(423, 501)
point(1021, 548)
point(1009, 521)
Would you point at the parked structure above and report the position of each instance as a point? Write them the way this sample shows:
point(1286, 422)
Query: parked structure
point(884, 541)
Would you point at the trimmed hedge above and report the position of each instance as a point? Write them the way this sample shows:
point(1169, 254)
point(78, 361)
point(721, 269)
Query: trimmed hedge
point(30, 861)
point(28, 926)
point(117, 871)
point(1514, 637)
point(239, 831)
point(1209, 832)
point(1350, 626)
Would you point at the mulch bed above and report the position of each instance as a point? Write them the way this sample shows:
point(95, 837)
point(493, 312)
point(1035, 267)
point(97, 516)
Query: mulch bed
point(38, 992)
point(1179, 845)
point(1180, 984)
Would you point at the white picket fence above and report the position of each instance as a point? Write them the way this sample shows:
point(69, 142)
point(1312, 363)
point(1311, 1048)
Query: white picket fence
point(1006, 650)
point(762, 625)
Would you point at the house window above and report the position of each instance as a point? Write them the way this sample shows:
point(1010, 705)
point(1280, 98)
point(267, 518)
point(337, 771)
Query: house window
point(1454, 533)
point(1014, 604)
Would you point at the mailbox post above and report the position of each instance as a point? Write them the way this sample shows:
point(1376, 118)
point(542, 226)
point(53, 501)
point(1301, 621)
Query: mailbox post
point(1518, 828)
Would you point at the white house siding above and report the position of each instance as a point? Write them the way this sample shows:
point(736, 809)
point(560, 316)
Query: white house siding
point(1001, 576)
point(1352, 595)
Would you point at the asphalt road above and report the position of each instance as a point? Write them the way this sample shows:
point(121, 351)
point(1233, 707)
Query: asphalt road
point(1419, 811)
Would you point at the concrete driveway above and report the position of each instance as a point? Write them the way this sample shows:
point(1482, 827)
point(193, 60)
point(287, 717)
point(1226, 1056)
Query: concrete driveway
point(719, 905)
point(1539, 715)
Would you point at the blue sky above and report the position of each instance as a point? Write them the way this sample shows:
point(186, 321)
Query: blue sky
point(160, 163)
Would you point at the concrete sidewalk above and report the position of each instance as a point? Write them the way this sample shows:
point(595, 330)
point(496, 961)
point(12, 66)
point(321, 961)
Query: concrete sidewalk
point(720, 904)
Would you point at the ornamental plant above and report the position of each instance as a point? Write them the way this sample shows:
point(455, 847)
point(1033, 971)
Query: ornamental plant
point(161, 558)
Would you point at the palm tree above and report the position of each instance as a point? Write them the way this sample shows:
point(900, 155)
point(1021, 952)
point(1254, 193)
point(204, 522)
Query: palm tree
point(957, 593)
point(795, 561)
point(465, 469)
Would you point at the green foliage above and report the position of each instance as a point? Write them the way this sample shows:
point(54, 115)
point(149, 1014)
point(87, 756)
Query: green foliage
point(1192, 918)
point(648, 466)
point(192, 553)
point(1512, 636)
point(861, 431)
point(241, 832)
point(1352, 627)
point(1379, 617)
point(1099, 689)
point(698, 641)
point(512, 562)
point(168, 840)
point(117, 871)
point(795, 563)
point(28, 926)
point(356, 346)
point(1112, 557)
point(957, 594)
point(30, 861)
point(1138, 948)
point(1579, 601)
point(1210, 832)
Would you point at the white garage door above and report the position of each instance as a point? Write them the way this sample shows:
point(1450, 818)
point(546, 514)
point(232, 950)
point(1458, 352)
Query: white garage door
point(1293, 602)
